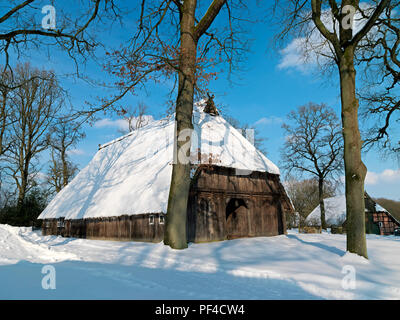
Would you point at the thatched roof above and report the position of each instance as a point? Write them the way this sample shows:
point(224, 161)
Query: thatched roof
point(132, 174)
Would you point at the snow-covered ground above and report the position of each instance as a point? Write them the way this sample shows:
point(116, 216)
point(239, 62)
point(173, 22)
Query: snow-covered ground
point(293, 266)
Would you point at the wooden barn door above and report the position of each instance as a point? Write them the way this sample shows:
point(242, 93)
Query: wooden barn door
point(237, 223)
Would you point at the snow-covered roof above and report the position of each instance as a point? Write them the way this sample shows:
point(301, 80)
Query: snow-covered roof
point(335, 212)
point(132, 174)
point(379, 208)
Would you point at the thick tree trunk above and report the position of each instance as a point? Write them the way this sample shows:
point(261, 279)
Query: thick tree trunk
point(321, 202)
point(24, 161)
point(175, 233)
point(21, 195)
point(3, 120)
point(22, 191)
point(64, 168)
point(355, 170)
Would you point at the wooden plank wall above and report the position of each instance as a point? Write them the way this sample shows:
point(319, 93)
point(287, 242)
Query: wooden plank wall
point(264, 200)
point(122, 228)
point(266, 204)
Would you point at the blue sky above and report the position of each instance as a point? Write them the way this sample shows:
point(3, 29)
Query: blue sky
point(263, 95)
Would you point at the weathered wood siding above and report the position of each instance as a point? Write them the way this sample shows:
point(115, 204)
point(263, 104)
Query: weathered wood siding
point(222, 205)
point(122, 228)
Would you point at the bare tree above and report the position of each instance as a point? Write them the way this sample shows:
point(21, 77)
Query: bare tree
point(304, 194)
point(382, 78)
point(135, 117)
point(65, 134)
point(60, 172)
point(35, 106)
point(5, 110)
point(333, 22)
point(314, 146)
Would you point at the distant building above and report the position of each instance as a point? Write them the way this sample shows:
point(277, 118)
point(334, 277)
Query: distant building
point(377, 219)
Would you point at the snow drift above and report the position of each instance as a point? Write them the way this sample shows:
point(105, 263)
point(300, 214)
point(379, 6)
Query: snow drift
point(293, 266)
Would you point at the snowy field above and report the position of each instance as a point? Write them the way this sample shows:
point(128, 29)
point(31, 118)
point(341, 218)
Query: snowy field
point(293, 266)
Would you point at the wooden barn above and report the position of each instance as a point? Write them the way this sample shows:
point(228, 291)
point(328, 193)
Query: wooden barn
point(122, 194)
point(377, 219)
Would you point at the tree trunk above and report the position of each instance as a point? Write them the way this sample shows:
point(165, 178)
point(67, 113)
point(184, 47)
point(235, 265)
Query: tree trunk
point(175, 231)
point(3, 120)
point(64, 167)
point(321, 202)
point(355, 170)
point(22, 192)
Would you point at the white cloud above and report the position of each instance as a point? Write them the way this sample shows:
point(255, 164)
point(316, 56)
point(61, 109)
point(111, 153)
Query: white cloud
point(268, 121)
point(108, 123)
point(121, 124)
point(386, 176)
point(39, 177)
point(371, 178)
point(76, 152)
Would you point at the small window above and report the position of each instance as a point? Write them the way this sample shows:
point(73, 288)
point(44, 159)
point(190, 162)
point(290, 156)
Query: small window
point(60, 224)
point(151, 219)
point(162, 219)
point(380, 224)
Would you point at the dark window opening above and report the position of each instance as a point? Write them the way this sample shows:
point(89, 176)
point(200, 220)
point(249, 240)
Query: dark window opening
point(233, 205)
point(237, 223)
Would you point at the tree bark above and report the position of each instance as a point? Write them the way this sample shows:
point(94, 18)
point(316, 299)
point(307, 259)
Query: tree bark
point(321, 202)
point(22, 188)
point(175, 231)
point(65, 175)
point(3, 120)
point(355, 170)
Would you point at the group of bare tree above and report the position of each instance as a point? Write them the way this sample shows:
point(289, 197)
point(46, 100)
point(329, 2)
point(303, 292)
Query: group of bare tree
point(64, 135)
point(305, 195)
point(32, 104)
point(31, 99)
